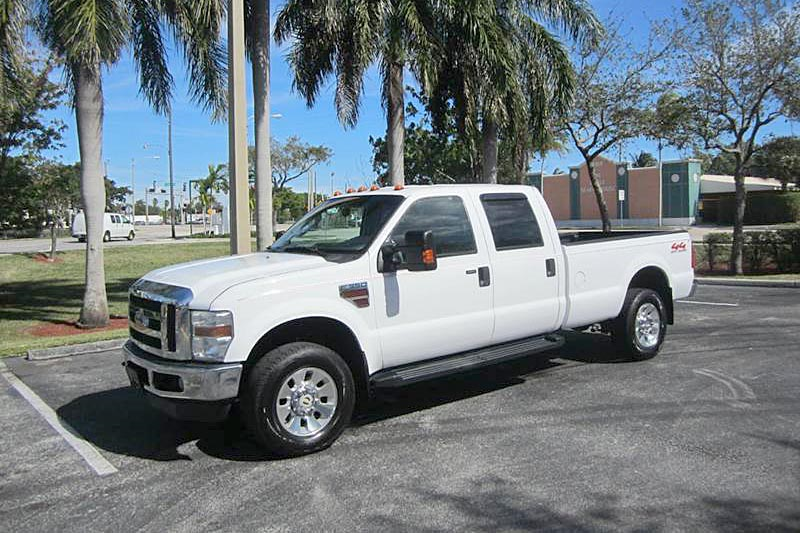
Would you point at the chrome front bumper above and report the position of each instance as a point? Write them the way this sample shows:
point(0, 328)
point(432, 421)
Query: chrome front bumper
point(181, 380)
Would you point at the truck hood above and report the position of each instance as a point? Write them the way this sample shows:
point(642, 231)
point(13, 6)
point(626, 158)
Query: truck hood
point(208, 278)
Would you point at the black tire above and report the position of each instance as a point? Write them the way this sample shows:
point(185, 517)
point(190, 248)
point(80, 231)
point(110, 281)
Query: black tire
point(81, 239)
point(131, 236)
point(260, 395)
point(107, 236)
point(624, 327)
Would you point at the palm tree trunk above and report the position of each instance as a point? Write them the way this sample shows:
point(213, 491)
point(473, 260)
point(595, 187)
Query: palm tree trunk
point(737, 247)
point(600, 197)
point(259, 56)
point(89, 119)
point(395, 117)
point(489, 133)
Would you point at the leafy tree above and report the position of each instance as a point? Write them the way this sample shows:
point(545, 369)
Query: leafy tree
point(116, 197)
point(778, 158)
point(643, 159)
point(343, 39)
point(739, 61)
point(58, 191)
point(90, 35)
point(615, 89)
point(293, 158)
point(24, 130)
point(431, 156)
point(507, 74)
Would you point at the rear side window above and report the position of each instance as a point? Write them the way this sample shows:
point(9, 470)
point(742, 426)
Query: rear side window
point(512, 221)
point(115, 219)
point(446, 217)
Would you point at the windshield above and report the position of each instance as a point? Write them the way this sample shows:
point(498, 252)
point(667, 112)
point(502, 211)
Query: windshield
point(346, 226)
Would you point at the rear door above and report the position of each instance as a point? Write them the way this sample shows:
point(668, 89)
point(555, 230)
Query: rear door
point(421, 315)
point(523, 264)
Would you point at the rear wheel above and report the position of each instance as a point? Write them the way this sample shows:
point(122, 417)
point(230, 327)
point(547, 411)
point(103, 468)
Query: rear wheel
point(131, 236)
point(298, 399)
point(640, 328)
point(107, 236)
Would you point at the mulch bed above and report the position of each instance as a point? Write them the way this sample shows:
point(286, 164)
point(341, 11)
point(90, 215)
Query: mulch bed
point(63, 329)
point(45, 258)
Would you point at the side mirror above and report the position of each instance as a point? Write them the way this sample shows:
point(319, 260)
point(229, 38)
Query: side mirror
point(420, 252)
point(392, 259)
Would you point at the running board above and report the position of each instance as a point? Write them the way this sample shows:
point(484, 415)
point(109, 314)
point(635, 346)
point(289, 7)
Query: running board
point(464, 361)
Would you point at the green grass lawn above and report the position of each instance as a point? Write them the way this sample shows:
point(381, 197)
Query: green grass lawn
point(34, 293)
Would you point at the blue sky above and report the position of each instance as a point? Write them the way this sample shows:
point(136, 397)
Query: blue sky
point(130, 124)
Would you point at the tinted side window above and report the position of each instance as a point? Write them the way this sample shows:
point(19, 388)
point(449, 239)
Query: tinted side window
point(512, 221)
point(115, 219)
point(446, 217)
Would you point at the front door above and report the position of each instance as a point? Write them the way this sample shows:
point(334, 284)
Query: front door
point(421, 315)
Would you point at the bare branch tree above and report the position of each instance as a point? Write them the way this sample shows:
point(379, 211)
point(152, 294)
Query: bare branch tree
point(740, 65)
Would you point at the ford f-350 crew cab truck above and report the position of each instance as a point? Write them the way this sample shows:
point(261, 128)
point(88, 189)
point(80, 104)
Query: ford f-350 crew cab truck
point(384, 288)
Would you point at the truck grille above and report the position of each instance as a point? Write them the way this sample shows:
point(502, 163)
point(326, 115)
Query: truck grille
point(144, 319)
point(158, 318)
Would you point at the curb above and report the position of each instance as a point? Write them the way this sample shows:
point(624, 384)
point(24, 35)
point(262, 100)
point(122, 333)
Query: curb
point(43, 354)
point(775, 284)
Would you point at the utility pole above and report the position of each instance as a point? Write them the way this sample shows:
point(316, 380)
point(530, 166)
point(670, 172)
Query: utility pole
point(133, 188)
point(237, 131)
point(171, 178)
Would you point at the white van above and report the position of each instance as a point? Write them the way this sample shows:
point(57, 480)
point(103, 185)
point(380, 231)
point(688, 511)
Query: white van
point(114, 226)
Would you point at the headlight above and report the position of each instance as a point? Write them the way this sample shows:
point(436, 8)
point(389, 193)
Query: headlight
point(212, 333)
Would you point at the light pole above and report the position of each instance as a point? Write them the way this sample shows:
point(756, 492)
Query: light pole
point(237, 131)
point(171, 177)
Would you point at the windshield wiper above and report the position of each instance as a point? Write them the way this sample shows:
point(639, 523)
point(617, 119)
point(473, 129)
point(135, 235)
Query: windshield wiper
point(314, 249)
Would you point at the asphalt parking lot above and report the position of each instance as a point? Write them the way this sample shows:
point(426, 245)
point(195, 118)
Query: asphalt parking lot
point(704, 437)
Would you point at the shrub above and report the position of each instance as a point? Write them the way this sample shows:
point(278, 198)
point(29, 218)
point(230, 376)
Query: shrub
point(769, 207)
point(779, 249)
point(716, 244)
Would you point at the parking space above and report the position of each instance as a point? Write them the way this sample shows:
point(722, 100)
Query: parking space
point(705, 436)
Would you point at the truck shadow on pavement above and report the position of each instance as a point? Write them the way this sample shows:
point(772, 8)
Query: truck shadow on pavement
point(121, 421)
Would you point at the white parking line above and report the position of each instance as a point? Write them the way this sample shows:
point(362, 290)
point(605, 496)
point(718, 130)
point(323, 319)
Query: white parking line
point(707, 303)
point(89, 453)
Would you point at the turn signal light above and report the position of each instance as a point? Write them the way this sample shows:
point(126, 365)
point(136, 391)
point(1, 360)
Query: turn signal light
point(428, 256)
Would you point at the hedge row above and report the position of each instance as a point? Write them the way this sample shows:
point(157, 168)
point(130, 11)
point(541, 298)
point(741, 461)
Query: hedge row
point(774, 250)
point(773, 207)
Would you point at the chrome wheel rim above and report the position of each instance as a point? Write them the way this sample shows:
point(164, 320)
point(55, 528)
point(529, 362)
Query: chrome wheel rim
point(306, 401)
point(648, 325)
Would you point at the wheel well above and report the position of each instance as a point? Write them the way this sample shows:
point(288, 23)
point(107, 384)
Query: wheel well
point(655, 279)
point(320, 330)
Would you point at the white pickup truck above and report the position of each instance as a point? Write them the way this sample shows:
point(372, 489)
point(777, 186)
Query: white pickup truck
point(387, 287)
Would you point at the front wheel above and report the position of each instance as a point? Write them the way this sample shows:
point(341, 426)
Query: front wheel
point(298, 399)
point(640, 328)
point(107, 236)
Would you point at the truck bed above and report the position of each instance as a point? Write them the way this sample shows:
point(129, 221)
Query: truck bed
point(583, 237)
point(599, 266)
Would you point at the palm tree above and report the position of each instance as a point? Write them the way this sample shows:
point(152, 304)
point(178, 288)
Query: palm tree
point(343, 39)
point(257, 36)
point(90, 35)
point(12, 24)
point(215, 181)
point(506, 73)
